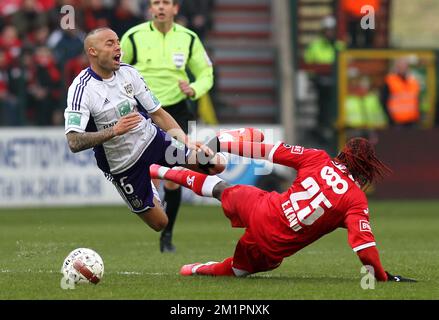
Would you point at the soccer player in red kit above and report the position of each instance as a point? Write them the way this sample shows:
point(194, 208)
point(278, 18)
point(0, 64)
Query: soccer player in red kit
point(327, 194)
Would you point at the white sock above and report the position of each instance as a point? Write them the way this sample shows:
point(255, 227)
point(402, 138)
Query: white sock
point(209, 184)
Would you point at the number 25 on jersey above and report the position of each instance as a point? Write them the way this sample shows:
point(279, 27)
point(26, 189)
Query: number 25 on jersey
point(313, 210)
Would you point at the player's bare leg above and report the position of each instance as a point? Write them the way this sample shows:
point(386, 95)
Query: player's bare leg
point(155, 217)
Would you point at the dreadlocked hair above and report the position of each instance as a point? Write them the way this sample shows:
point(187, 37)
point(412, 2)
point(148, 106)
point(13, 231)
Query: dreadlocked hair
point(358, 155)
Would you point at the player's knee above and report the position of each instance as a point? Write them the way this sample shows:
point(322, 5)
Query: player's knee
point(155, 218)
point(220, 163)
point(159, 225)
point(216, 169)
point(219, 189)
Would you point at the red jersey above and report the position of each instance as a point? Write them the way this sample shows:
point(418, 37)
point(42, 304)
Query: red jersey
point(323, 197)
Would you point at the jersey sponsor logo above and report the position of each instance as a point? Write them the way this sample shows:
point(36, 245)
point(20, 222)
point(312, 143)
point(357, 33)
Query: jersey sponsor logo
point(366, 211)
point(129, 89)
point(365, 226)
point(74, 119)
point(287, 146)
point(106, 126)
point(297, 150)
point(106, 101)
point(179, 60)
point(124, 108)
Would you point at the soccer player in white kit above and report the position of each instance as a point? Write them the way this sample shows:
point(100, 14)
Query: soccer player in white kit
point(111, 109)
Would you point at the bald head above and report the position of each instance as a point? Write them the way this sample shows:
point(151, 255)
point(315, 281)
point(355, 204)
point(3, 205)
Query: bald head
point(93, 37)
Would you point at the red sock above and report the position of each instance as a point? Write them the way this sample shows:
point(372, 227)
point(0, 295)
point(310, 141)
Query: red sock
point(217, 269)
point(199, 183)
point(247, 149)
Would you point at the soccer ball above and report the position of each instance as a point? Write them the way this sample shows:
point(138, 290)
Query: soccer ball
point(83, 265)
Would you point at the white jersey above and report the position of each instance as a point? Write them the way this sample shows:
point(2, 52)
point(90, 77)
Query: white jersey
point(94, 104)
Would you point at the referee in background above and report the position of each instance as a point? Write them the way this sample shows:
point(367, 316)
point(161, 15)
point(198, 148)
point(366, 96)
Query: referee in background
point(162, 51)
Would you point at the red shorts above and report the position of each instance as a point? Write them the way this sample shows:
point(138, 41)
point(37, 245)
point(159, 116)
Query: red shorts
point(242, 205)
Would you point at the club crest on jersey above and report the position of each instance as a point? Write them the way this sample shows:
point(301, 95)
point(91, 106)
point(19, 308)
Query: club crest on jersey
point(178, 60)
point(129, 89)
point(297, 149)
point(365, 226)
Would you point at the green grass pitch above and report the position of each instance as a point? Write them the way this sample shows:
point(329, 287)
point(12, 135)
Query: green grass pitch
point(34, 243)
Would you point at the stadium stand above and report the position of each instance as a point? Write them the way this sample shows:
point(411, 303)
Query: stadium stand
point(244, 59)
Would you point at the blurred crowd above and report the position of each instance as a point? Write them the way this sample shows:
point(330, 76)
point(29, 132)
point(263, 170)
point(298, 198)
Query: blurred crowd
point(391, 91)
point(39, 59)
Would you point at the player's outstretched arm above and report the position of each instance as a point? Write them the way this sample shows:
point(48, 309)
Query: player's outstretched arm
point(166, 122)
point(370, 257)
point(79, 141)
